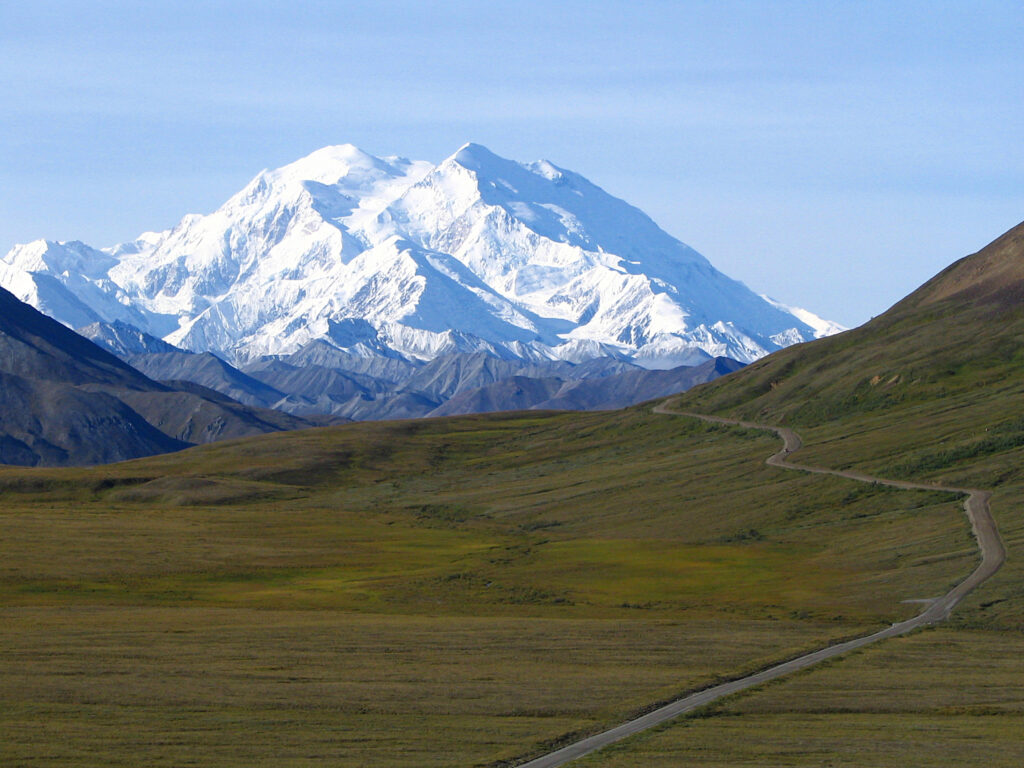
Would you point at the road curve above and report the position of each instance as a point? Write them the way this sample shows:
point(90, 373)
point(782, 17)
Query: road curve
point(992, 556)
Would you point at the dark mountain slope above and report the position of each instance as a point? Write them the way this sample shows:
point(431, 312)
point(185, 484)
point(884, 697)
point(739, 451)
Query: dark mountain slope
point(195, 414)
point(448, 375)
point(48, 423)
point(208, 370)
point(37, 347)
point(121, 338)
point(377, 366)
point(314, 381)
point(630, 387)
point(615, 390)
point(516, 393)
point(64, 400)
point(160, 361)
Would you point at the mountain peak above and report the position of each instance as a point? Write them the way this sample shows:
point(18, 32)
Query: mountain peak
point(476, 253)
point(478, 158)
point(471, 149)
point(330, 164)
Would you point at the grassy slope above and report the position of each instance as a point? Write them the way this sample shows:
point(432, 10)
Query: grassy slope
point(444, 592)
point(930, 390)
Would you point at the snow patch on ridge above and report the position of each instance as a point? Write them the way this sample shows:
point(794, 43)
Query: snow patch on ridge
point(821, 326)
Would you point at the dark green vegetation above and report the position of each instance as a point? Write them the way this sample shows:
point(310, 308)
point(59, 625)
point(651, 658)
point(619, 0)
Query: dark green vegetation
point(931, 390)
point(443, 592)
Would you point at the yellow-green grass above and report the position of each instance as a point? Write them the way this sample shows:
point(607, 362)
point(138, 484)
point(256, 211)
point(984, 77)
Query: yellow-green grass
point(939, 698)
point(210, 686)
point(444, 592)
point(661, 513)
point(958, 442)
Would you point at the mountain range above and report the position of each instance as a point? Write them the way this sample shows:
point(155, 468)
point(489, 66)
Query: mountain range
point(69, 401)
point(347, 286)
point(392, 259)
point(323, 380)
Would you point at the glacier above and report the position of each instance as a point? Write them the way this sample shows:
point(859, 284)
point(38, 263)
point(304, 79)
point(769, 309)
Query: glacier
point(389, 257)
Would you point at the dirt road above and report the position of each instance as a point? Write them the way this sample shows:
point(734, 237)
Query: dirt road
point(992, 556)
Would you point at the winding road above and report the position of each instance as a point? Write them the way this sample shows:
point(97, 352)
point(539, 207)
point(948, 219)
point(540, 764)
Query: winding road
point(992, 556)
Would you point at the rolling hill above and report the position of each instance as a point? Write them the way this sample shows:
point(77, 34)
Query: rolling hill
point(961, 333)
point(931, 390)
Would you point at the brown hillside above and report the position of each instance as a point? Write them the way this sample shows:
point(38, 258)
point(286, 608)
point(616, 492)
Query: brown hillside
point(961, 330)
point(993, 275)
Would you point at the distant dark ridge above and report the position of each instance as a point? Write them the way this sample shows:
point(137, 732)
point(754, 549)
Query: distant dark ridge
point(38, 347)
point(66, 401)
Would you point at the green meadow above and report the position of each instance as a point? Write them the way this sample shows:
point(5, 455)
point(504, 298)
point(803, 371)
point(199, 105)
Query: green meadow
point(948, 696)
point(443, 592)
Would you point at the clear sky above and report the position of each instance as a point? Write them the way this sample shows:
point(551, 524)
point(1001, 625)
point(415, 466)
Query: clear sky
point(831, 154)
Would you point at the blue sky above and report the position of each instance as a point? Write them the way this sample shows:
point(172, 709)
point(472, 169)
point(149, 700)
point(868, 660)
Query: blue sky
point(832, 155)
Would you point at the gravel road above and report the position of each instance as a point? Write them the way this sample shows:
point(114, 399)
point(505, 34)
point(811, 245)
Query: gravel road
point(992, 556)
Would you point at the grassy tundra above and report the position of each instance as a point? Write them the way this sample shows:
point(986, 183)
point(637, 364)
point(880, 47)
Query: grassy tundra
point(443, 592)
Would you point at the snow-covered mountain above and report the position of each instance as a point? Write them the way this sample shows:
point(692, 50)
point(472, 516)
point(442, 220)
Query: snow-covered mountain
point(394, 258)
